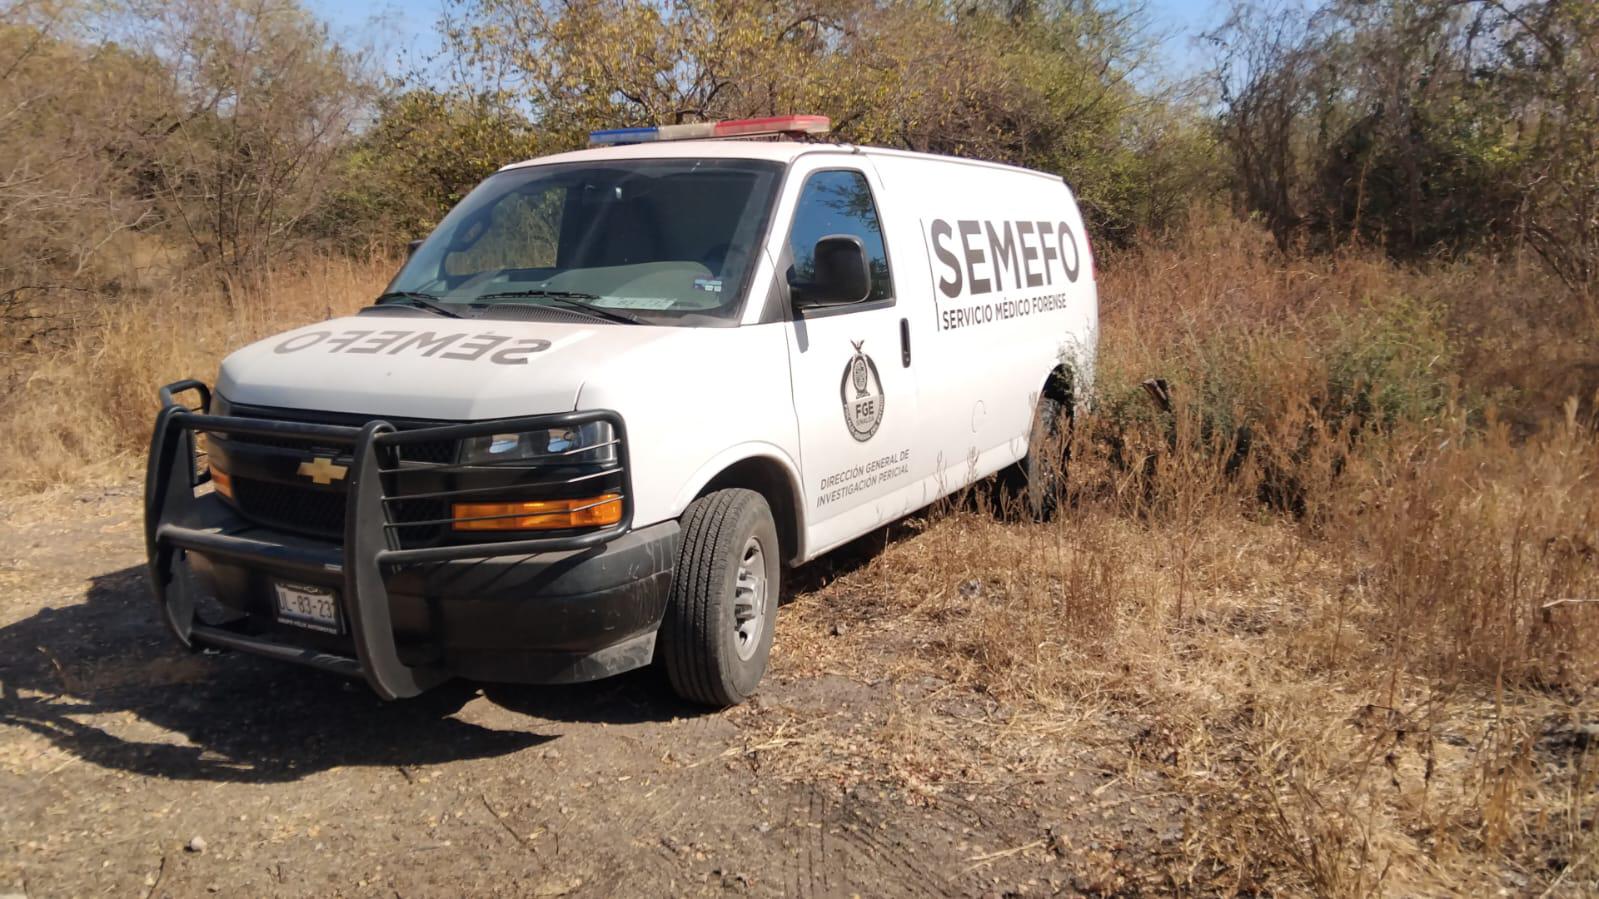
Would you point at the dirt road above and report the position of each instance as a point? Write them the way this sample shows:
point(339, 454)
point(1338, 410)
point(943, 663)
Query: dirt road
point(130, 768)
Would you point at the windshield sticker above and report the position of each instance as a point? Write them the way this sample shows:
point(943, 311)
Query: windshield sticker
point(862, 394)
point(499, 349)
point(711, 285)
point(635, 302)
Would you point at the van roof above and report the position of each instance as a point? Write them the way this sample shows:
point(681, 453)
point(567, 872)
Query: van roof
point(776, 151)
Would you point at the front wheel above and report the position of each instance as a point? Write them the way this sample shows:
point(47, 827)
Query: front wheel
point(717, 633)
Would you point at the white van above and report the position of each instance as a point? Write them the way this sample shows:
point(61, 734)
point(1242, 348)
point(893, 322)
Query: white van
point(610, 398)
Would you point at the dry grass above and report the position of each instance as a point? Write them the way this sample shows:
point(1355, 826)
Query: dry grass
point(80, 400)
point(1333, 613)
point(1333, 606)
point(1250, 670)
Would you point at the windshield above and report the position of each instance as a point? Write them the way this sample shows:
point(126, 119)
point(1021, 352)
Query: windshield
point(666, 241)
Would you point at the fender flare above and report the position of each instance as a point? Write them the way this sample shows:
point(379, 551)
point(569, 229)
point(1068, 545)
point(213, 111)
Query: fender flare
point(744, 452)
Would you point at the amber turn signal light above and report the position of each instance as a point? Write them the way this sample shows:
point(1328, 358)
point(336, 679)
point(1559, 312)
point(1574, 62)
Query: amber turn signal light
point(539, 514)
point(222, 481)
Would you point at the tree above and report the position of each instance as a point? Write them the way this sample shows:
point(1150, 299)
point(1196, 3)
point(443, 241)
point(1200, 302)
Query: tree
point(262, 104)
point(1419, 125)
point(421, 155)
point(1044, 83)
point(67, 100)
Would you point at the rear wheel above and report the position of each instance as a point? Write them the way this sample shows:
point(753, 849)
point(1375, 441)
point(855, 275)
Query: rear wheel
point(1042, 473)
point(717, 634)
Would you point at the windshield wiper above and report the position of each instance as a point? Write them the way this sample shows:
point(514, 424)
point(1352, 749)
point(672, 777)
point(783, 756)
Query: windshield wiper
point(416, 298)
point(568, 299)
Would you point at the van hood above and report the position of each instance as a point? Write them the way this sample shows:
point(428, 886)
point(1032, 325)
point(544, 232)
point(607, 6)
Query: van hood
point(412, 366)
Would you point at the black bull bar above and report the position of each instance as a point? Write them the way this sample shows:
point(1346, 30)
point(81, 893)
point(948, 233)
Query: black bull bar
point(370, 545)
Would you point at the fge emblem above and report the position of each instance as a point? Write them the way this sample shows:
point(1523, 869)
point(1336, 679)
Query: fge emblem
point(862, 395)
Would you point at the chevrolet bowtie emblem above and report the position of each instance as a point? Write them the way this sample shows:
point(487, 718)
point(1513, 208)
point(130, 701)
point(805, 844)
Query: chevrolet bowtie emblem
point(323, 470)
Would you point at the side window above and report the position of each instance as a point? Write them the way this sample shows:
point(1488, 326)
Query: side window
point(839, 202)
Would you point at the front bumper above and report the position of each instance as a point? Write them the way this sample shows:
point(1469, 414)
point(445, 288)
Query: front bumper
point(544, 610)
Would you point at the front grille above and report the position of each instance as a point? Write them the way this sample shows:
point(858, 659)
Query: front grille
point(403, 510)
point(441, 452)
point(418, 480)
point(319, 513)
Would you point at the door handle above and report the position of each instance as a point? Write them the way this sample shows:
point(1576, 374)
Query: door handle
point(905, 343)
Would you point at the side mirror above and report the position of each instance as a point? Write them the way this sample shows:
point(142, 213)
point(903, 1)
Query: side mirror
point(842, 276)
point(410, 248)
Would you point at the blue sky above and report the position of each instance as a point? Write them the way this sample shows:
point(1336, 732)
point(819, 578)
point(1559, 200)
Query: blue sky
point(404, 29)
point(1184, 21)
point(396, 28)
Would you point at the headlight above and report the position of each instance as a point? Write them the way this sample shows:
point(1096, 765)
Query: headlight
point(590, 443)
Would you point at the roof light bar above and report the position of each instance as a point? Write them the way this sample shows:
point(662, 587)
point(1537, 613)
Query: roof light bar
point(774, 126)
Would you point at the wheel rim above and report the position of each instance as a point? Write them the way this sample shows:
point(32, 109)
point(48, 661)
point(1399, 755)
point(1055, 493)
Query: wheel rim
point(750, 597)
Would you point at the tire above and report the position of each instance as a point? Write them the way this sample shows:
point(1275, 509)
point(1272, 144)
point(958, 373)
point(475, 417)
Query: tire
point(1042, 473)
point(717, 634)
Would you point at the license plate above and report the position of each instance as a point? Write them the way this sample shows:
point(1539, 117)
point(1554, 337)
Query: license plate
point(301, 605)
